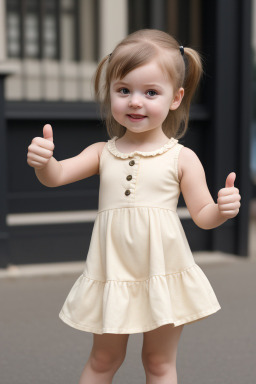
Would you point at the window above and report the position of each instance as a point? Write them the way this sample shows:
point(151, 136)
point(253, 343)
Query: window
point(13, 29)
point(56, 44)
point(49, 29)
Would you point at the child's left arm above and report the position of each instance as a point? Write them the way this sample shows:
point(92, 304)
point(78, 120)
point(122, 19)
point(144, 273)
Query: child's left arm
point(204, 211)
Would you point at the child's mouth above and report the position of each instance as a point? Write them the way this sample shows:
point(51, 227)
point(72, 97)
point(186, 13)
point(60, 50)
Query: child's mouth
point(135, 117)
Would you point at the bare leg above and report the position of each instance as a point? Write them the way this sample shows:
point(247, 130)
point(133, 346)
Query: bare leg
point(159, 354)
point(107, 355)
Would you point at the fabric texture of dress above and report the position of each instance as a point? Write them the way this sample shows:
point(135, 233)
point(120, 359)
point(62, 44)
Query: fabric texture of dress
point(139, 273)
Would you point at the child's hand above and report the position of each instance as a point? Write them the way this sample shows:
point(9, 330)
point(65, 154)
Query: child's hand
point(41, 149)
point(229, 198)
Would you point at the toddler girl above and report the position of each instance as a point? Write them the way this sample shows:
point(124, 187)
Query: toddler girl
point(140, 275)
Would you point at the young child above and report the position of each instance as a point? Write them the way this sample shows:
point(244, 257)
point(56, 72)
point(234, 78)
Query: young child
point(140, 275)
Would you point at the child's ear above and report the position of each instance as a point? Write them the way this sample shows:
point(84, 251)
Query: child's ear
point(177, 99)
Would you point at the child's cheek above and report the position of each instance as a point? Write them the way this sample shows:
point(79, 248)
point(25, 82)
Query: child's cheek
point(158, 112)
point(117, 111)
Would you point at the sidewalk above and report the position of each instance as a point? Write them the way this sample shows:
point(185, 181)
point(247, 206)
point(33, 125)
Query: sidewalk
point(36, 347)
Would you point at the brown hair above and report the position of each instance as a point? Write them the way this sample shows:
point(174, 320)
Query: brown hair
point(140, 48)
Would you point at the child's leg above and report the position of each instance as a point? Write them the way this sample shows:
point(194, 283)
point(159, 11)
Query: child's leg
point(159, 354)
point(108, 353)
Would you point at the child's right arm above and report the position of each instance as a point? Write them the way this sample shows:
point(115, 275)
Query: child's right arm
point(53, 173)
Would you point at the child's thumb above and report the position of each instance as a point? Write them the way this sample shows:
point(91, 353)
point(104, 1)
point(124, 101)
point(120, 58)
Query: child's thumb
point(47, 132)
point(230, 181)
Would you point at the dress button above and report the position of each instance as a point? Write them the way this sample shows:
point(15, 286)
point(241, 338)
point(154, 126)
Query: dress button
point(127, 192)
point(129, 177)
point(132, 162)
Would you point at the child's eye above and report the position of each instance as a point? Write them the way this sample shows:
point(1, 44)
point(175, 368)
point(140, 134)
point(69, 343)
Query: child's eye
point(151, 93)
point(124, 91)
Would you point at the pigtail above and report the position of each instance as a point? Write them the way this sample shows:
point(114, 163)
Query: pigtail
point(102, 94)
point(193, 73)
point(187, 75)
point(98, 86)
point(101, 90)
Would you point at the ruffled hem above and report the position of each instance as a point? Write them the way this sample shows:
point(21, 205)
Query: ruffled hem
point(113, 149)
point(146, 328)
point(139, 306)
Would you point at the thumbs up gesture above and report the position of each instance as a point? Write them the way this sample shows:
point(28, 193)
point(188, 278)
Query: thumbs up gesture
point(41, 149)
point(229, 198)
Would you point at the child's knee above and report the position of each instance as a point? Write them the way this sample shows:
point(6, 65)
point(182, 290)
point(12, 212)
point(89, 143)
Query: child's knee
point(105, 361)
point(158, 365)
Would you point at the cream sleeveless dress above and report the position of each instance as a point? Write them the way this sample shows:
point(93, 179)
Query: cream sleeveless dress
point(139, 273)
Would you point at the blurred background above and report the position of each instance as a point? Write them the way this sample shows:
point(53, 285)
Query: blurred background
point(49, 51)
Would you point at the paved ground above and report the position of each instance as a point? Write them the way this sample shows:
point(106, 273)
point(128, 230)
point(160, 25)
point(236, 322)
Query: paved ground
point(37, 348)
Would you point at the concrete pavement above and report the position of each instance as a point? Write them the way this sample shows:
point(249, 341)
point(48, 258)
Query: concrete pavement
point(37, 348)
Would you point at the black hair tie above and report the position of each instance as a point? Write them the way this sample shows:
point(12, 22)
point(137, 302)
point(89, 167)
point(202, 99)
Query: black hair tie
point(182, 50)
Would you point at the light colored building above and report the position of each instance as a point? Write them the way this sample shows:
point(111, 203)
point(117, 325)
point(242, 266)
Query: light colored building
point(53, 46)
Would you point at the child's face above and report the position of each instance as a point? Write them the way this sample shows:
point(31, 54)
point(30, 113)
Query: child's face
point(142, 99)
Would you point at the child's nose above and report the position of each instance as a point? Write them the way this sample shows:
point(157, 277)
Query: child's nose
point(135, 101)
